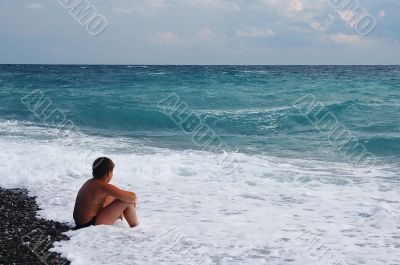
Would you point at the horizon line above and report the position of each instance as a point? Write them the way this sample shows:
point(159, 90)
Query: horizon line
point(100, 64)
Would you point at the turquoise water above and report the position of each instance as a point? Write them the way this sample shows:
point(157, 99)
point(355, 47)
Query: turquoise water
point(286, 185)
point(249, 107)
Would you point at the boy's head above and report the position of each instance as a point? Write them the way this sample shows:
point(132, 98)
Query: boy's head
point(101, 167)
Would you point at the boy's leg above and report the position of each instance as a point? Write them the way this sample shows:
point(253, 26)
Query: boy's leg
point(131, 216)
point(109, 214)
point(108, 201)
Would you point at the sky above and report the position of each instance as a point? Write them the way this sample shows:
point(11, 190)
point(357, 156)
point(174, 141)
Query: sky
point(266, 32)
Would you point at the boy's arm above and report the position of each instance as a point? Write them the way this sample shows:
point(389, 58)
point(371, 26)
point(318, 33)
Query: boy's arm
point(108, 200)
point(125, 196)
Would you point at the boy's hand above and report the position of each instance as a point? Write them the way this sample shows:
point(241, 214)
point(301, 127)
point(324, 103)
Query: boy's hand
point(119, 194)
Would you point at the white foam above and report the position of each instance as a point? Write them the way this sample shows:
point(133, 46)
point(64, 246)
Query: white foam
point(242, 111)
point(191, 210)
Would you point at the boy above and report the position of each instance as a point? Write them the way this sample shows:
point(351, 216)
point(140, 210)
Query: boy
point(100, 203)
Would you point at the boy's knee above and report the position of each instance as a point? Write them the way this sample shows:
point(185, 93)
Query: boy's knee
point(126, 204)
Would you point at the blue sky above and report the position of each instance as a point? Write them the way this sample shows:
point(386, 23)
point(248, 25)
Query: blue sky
point(200, 32)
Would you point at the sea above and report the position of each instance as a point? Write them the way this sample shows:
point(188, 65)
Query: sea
point(231, 164)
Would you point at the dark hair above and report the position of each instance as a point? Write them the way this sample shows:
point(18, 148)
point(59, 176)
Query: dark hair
point(101, 166)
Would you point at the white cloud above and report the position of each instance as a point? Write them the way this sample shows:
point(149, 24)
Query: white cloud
point(34, 6)
point(347, 38)
point(312, 16)
point(204, 33)
point(296, 5)
point(255, 33)
point(166, 38)
point(320, 25)
point(316, 25)
point(348, 16)
point(382, 14)
point(287, 6)
point(218, 4)
point(157, 3)
point(148, 7)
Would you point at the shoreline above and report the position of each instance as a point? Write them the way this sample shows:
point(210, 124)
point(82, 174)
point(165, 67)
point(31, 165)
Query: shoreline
point(25, 238)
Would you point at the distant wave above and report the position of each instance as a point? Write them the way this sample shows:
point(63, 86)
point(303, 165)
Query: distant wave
point(157, 73)
point(381, 145)
point(137, 66)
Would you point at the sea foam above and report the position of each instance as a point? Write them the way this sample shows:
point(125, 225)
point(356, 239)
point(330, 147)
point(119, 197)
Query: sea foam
point(193, 212)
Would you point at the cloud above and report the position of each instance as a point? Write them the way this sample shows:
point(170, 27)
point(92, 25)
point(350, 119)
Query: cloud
point(347, 38)
point(255, 33)
point(148, 7)
point(316, 25)
point(284, 6)
point(166, 38)
point(296, 5)
point(34, 6)
point(216, 4)
point(217, 28)
point(349, 16)
point(312, 16)
point(204, 33)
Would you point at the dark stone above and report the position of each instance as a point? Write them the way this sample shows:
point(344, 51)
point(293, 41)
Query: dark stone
point(24, 238)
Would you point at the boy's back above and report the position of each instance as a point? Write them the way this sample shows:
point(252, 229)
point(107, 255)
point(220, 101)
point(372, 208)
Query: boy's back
point(89, 201)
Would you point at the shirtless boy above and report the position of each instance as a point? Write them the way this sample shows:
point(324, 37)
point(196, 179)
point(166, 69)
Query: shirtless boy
point(100, 203)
